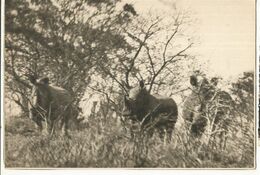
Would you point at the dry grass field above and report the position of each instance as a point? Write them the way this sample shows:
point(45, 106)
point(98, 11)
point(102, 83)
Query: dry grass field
point(97, 145)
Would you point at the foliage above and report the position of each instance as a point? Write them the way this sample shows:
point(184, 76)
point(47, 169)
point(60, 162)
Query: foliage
point(94, 45)
point(44, 38)
point(244, 126)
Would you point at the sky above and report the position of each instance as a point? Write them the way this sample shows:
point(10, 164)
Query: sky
point(225, 28)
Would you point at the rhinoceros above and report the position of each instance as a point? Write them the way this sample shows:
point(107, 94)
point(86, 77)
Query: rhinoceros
point(160, 112)
point(207, 106)
point(51, 105)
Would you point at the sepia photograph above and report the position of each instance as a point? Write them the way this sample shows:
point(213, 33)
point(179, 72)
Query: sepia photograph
point(136, 84)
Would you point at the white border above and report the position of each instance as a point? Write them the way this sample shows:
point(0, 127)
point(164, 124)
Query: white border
point(257, 77)
point(2, 84)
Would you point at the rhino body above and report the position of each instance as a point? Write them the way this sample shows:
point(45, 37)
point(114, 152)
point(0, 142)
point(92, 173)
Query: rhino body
point(159, 112)
point(51, 105)
point(207, 106)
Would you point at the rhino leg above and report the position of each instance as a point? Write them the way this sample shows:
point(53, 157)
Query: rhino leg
point(198, 127)
point(40, 127)
point(223, 140)
point(170, 127)
point(162, 133)
point(65, 122)
point(165, 133)
point(38, 123)
point(66, 127)
point(169, 131)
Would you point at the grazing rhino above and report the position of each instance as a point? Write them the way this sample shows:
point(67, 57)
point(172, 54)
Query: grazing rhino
point(50, 104)
point(161, 112)
point(207, 106)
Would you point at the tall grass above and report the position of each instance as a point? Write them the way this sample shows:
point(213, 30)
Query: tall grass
point(109, 144)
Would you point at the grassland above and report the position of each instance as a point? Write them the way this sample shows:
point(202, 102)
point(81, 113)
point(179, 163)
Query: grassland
point(108, 144)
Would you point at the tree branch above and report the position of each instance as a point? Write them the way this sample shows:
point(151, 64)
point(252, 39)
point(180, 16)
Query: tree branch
point(148, 34)
point(150, 60)
point(15, 75)
point(113, 77)
point(165, 63)
point(168, 42)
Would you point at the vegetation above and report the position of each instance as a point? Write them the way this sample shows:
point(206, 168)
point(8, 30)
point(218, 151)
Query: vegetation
point(97, 49)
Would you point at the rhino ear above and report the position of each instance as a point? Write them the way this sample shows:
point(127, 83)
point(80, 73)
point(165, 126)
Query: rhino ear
point(193, 80)
point(45, 80)
point(141, 84)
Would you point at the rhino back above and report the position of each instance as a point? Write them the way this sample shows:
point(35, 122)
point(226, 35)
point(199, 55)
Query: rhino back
point(60, 96)
point(167, 104)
